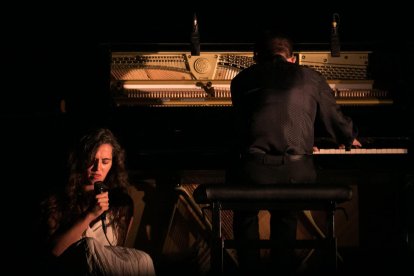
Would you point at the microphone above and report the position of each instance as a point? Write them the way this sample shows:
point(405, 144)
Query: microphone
point(195, 38)
point(335, 44)
point(100, 188)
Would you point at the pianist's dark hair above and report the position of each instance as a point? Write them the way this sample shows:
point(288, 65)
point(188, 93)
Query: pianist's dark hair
point(69, 205)
point(271, 43)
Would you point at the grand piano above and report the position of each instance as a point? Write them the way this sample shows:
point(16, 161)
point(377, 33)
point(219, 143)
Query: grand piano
point(173, 109)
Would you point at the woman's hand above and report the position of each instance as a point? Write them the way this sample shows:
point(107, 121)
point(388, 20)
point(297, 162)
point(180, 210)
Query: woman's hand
point(102, 204)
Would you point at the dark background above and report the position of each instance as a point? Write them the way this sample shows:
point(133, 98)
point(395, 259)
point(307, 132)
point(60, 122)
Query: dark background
point(46, 46)
point(50, 45)
point(50, 52)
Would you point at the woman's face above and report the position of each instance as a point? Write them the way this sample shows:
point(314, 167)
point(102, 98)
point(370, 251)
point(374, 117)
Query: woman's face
point(101, 165)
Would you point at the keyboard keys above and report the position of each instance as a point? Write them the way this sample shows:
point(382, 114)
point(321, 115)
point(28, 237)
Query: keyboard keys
point(363, 151)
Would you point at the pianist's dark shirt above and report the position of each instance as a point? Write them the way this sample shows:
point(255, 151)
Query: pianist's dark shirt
point(276, 104)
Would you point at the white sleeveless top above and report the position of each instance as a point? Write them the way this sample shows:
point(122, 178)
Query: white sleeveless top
point(97, 233)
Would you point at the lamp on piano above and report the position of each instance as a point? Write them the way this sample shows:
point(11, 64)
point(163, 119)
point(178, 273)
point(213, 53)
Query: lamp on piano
point(195, 38)
point(335, 45)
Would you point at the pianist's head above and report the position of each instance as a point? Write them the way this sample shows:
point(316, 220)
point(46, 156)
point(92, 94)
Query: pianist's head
point(270, 44)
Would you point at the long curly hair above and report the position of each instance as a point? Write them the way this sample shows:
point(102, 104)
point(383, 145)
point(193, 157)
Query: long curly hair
point(63, 210)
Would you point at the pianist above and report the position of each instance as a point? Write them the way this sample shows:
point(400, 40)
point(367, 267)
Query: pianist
point(276, 102)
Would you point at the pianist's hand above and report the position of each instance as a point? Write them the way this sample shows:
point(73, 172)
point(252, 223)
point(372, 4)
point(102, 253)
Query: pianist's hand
point(355, 144)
